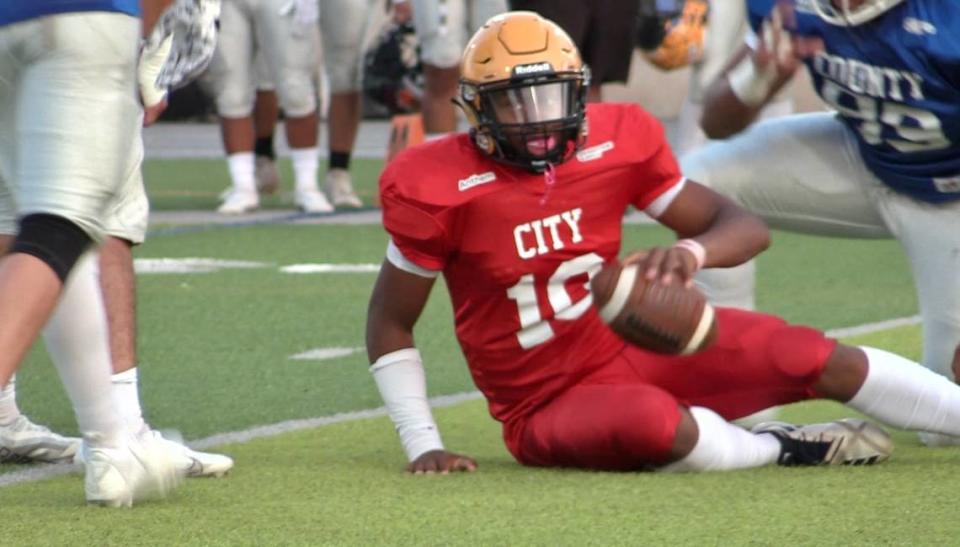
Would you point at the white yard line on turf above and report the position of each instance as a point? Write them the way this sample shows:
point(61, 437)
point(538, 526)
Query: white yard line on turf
point(857, 330)
point(46, 471)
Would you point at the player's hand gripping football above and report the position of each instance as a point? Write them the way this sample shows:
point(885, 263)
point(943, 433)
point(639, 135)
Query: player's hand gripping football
point(665, 265)
point(441, 462)
point(780, 49)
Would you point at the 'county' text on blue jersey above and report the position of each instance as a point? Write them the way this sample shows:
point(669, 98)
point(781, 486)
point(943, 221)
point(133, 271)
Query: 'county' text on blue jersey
point(14, 11)
point(895, 82)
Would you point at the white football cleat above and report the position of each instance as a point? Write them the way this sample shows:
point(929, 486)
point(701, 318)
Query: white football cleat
point(312, 201)
point(238, 202)
point(849, 441)
point(267, 175)
point(340, 188)
point(192, 463)
point(23, 441)
point(140, 468)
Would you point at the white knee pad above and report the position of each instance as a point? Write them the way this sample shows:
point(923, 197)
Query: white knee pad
point(235, 101)
point(297, 95)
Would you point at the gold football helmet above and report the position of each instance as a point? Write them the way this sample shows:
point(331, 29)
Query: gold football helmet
point(523, 89)
point(683, 39)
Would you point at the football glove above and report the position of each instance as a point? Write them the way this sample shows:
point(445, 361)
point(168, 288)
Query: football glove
point(181, 44)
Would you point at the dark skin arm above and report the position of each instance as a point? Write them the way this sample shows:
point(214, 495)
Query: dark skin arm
point(730, 235)
point(724, 114)
point(396, 303)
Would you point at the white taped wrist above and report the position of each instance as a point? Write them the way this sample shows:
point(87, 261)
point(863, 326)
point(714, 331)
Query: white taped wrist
point(694, 246)
point(750, 85)
point(403, 385)
point(152, 58)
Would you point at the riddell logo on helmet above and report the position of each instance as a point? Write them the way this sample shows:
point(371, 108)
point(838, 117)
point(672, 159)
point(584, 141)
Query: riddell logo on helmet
point(521, 70)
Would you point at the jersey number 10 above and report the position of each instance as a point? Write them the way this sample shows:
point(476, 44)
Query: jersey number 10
point(534, 329)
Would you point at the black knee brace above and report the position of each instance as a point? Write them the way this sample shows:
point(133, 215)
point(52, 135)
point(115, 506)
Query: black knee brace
point(53, 239)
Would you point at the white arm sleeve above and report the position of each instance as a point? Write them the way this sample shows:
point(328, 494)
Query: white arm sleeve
point(403, 386)
point(662, 203)
point(395, 256)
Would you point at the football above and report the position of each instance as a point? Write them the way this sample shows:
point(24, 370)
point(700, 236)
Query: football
point(670, 319)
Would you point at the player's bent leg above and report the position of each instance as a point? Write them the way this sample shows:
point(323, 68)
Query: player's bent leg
point(756, 362)
point(634, 426)
point(31, 278)
point(53, 239)
point(620, 427)
point(897, 391)
point(126, 226)
point(929, 239)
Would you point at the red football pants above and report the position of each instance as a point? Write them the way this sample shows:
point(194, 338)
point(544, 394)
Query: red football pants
point(624, 416)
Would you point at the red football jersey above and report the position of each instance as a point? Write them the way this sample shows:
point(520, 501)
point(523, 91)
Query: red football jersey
point(517, 250)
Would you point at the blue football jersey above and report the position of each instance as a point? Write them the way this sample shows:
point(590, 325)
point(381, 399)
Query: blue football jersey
point(895, 82)
point(14, 11)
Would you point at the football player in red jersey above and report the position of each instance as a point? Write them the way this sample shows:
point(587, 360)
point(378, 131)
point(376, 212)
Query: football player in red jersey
point(518, 215)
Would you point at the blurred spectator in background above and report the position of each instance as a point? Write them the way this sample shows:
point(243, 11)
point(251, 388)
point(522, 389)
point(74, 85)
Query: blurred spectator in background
point(603, 31)
point(443, 27)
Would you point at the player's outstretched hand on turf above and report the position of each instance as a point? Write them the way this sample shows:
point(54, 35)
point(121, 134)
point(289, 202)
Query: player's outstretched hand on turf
point(664, 264)
point(442, 462)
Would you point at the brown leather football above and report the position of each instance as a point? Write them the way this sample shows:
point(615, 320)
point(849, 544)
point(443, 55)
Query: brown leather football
point(670, 319)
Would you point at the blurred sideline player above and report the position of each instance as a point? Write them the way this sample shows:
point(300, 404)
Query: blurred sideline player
point(69, 127)
point(443, 27)
point(286, 33)
point(603, 31)
point(266, 112)
point(520, 213)
point(885, 164)
point(344, 24)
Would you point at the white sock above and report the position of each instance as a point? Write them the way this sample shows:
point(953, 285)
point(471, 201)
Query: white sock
point(126, 394)
point(8, 402)
point(724, 446)
point(77, 342)
point(242, 166)
point(305, 165)
point(904, 394)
